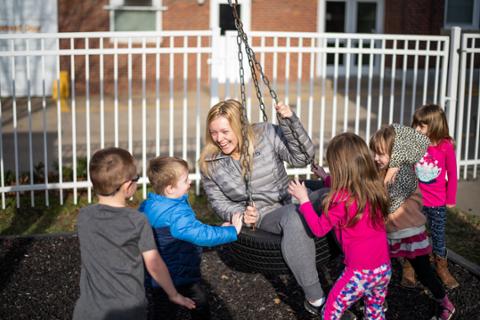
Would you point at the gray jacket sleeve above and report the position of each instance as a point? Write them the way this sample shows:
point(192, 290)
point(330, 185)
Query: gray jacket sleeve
point(409, 146)
point(288, 147)
point(220, 203)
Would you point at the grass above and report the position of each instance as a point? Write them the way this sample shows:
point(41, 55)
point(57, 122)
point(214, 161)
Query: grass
point(463, 229)
point(57, 218)
point(463, 234)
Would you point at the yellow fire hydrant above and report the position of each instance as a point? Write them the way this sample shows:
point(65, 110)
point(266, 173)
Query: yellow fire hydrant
point(64, 93)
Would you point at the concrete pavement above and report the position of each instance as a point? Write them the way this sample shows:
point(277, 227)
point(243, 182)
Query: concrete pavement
point(468, 196)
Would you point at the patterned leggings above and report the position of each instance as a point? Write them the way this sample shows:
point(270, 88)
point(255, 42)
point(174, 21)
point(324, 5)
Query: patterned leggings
point(353, 284)
point(437, 219)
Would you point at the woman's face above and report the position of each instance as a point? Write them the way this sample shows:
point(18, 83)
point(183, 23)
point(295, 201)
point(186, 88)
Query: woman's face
point(222, 134)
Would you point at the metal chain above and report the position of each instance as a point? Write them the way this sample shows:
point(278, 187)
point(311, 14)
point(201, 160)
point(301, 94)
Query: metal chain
point(255, 65)
point(244, 157)
point(252, 62)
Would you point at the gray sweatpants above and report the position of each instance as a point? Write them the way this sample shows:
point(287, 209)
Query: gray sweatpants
point(298, 248)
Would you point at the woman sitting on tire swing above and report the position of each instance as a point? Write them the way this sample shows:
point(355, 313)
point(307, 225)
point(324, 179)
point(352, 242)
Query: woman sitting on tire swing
point(273, 211)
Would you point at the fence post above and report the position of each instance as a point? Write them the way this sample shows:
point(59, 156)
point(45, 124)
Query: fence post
point(213, 77)
point(453, 71)
point(460, 107)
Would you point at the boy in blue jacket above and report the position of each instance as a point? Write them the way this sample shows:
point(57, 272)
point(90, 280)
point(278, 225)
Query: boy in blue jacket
point(179, 236)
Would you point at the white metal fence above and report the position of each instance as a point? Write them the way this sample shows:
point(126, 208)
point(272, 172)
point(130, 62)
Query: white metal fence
point(468, 113)
point(149, 93)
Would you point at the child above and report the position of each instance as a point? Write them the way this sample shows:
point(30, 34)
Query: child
point(113, 240)
point(397, 148)
point(179, 234)
point(355, 208)
point(437, 173)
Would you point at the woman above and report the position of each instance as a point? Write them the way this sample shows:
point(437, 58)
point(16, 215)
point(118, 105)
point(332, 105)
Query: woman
point(273, 211)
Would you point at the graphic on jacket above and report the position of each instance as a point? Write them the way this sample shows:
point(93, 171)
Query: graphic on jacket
point(427, 169)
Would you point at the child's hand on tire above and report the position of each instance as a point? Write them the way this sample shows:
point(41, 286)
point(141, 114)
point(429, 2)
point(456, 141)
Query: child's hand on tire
point(237, 221)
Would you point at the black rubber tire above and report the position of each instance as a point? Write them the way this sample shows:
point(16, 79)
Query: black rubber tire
point(259, 251)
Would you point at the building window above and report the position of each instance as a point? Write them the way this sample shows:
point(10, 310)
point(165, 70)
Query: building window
point(462, 13)
point(135, 15)
point(366, 17)
point(352, 16)
point(335, 17)
point(226, 17)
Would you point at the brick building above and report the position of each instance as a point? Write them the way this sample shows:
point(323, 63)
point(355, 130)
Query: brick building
point(380, 16)
point(429, 17)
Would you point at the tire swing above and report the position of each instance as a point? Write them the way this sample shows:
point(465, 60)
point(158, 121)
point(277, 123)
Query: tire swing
point(257, 250)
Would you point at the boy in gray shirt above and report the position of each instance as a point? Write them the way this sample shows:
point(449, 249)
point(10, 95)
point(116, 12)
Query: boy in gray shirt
point(115, 241)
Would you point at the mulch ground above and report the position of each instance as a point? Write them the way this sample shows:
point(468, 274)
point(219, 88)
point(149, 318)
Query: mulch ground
point(39, 280)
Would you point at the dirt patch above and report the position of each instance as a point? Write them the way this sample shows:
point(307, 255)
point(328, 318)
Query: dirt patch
point(39, 280)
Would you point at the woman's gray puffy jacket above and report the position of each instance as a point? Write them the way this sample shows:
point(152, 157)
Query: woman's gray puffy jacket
point(225, 186)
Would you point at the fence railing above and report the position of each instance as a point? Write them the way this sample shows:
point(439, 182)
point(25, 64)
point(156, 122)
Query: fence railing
point(149, 93)
point(468, 113)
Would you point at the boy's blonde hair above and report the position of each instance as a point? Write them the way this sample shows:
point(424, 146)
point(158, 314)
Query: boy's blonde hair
point(355, 176)
point(434, 117)
point(110, 168)
point(165, 171)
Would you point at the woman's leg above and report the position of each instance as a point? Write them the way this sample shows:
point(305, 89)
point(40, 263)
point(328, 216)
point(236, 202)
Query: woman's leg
point(298, 248)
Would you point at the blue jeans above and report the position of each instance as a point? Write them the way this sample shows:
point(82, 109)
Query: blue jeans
point(437, 219)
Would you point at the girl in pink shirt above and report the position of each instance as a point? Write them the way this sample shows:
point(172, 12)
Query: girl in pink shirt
point(437, 175)
point(354, 208)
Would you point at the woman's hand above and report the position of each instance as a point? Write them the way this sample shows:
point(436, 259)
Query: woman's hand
point(250, 216)
point(283, 110)
point(298, 190)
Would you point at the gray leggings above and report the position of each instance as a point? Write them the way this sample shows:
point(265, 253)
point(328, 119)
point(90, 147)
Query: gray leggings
point(298, 248)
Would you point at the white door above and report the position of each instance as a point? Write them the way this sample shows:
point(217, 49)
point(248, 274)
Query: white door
point(225, 49)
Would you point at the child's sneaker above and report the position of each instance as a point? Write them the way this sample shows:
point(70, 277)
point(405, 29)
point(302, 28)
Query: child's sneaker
point(445, 310)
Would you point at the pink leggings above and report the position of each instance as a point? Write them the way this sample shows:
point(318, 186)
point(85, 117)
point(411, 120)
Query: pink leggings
point(353, 284)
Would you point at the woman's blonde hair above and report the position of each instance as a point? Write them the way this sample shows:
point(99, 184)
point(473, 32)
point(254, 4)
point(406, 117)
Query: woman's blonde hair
point(232, 111)
point(434, 117)
point(354, 175)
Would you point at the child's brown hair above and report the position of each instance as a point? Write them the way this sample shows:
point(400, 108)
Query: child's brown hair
point(434, 117)
point(165, 171)
point(353, 171)
point(382, 141)
point(110, 168)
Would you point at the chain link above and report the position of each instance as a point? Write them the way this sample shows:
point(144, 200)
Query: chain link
point(254, 67)
point(244, 157)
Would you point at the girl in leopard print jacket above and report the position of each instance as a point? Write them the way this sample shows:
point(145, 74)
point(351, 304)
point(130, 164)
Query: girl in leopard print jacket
point(397, 148)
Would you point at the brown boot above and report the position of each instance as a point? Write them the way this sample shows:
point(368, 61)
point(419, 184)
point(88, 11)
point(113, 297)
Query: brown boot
point(442, 270)
point(408, 275)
